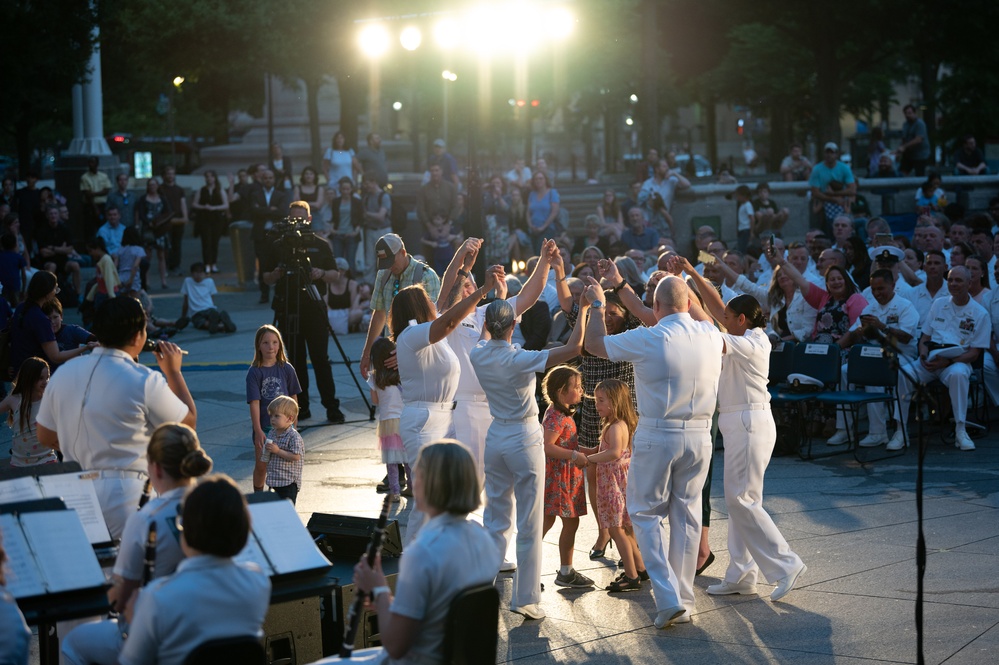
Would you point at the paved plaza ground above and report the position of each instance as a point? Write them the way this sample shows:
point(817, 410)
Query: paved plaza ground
point(854, 525)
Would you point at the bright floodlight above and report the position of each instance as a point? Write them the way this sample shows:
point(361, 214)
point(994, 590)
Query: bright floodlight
point(446, 33)
point(374, 40)
point(178, 81)
point(629, 122)
point(411, 38)
point(560, 22)
point(397, 106)
point(633, 98)
point(448, 75)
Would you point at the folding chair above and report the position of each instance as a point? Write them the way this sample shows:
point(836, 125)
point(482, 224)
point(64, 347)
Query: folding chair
point(472, 628)
point(245, 650)
point(821, 362)
point(867, 366)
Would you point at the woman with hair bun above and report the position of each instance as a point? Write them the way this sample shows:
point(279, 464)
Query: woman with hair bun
point(176, 459)
point(754, 542)
point(515, 456)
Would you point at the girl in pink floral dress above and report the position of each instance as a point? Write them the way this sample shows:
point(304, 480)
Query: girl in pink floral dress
point(613, 404)
point(565, 495)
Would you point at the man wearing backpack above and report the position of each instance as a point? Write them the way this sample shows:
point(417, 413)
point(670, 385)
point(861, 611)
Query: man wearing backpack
point(377, 221)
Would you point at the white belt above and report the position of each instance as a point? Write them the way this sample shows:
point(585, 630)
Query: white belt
point(471, 397)
point(433, 406)
point(118, 473)
point(674, 423)
point(757, 406)
point(516, 421)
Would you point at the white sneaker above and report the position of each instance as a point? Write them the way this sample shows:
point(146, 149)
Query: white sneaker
point(839, 438)
point(873, 440)
point(532, 611)
point(785, 585)
point(669, 616)
point(731, 588)
point(962, 441)
point(897, 441)
point(508, 567)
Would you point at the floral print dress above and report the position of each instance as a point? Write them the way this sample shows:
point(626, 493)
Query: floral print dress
point(565, 495)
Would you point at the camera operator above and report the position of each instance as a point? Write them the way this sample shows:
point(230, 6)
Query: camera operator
point(304, 260)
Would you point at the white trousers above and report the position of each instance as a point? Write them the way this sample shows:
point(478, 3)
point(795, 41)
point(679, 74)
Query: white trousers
point(418, 426)
point(515, 466)
point(471, 422)
point(668, 468)
point(119, 499)
point(97, 643)
point(754, 542)
point(991, 375)
point(956, 377)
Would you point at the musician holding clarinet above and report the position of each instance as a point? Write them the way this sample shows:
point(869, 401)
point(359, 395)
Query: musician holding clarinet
point(448, 555)
point(150, 545)
point(101, 409)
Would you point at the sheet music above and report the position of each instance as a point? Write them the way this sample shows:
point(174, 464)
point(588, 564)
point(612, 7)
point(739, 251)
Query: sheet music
point(948, 352)
point(61, 548)
point(19, 489)
point(253, 554)
point(23, 578)
point(77, 491)
point(284, 538)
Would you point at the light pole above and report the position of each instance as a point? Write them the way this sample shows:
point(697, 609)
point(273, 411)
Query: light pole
point(449, 77)
point(177, 82)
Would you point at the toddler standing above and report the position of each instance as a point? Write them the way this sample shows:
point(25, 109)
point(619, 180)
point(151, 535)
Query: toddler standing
point(284, 450)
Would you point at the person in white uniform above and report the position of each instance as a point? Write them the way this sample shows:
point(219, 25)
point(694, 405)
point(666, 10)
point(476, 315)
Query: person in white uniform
point(744, 418)
point(210, 596)
point(896, 319)
point(991, 371)
point(957, 321)
point(428, 368)
point(175, 459)
point(451, 553)
point(101, 409)
point(515, 457)
point(677, 365)
point(471, 412)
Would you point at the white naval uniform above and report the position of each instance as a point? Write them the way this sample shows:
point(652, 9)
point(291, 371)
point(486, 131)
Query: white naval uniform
point(991, 371)
point(515, 457)
point(899, 314)
point(677, 367)
point(104, 407)
point(921, 299)
point(745, 420)
point(967, 325)
point(429, 379)
point(100, 642)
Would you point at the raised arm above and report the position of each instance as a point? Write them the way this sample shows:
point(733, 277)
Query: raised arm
point(561, 286)
point(449, 320)
point(456, 272)
point(712, 299)
point(535, 284)
point(608, 270)
point(574, 346)
point(778, 259)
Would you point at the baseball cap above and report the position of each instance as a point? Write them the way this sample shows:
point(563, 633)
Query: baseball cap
point(831, 146)
point(440, 143)
point(386, 248)
point(341, 264)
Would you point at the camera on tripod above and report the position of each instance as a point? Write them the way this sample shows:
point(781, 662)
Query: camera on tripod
point(291, 233)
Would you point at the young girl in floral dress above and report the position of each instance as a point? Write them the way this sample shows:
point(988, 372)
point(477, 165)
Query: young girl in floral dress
point(564, 479)
point(613, 403)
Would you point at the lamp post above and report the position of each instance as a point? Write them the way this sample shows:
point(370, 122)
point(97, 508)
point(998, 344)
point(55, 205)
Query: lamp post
point(449, 77)
point(177, 82)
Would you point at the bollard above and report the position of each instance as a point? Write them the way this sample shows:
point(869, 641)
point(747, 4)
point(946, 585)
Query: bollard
point(241, 238)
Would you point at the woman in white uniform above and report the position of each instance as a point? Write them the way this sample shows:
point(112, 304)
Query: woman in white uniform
point(175, 459)
point(515, 458)
point(428, 368)
point(745, 420)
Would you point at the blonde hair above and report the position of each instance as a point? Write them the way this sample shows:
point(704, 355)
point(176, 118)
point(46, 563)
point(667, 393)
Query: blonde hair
point(448, 476)
point(175, 447)
point(284, 405)
point(258, 358)
point(619, 394)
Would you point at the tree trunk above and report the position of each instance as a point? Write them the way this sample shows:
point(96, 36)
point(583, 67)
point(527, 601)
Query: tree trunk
point(779, 141)
point(351, 92)
point(649, 96)
point(312, 104)
point(711, 129)
point(829, 88)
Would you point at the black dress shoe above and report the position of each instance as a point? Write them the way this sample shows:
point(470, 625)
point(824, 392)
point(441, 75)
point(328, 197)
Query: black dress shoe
point(335, 416)
point(707, 562)
point(264, 299)
point(304, 414)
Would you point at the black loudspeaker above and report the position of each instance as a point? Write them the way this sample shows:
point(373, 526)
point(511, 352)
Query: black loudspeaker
point(347, 537)
point(293, 632)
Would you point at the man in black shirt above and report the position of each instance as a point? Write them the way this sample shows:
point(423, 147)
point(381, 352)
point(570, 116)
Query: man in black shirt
point(56, 252)
point(305, 261)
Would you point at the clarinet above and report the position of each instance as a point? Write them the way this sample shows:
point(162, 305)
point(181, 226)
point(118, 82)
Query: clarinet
point(149, 563)
point(147, 491)
point(374, 547)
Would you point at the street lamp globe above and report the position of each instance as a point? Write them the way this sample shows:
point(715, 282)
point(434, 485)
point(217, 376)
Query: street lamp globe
point(446, 33)
point(374, 40)
point(411, 38)
point(561, 22)
point(178, 81)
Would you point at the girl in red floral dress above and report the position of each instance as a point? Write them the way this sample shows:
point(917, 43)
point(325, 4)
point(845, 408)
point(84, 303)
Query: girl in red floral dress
point(565, 495)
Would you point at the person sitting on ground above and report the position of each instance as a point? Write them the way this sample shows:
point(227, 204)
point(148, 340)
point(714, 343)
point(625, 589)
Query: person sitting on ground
point(198, 290)
point(68, 336)
point(767, 216)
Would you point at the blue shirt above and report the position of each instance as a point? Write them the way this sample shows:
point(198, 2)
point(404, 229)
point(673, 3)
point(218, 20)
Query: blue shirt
point(822, 175)
point(29, 329)
point(11, 265)
point(266, 383)
point(539, 210)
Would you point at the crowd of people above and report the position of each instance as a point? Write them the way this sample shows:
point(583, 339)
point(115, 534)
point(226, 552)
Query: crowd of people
point(599, 378)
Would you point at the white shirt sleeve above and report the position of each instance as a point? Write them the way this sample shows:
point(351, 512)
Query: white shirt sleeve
point(628, 345)
point(413, 590)
point(162, 406)
point(531, 361)
point(983, 331)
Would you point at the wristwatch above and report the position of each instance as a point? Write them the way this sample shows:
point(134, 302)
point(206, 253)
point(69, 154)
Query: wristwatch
point(596, 304)
point(620, 286)
point(462, 272)
point(379, 590)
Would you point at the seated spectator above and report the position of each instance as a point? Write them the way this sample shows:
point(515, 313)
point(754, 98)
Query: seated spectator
point(858, 261)
point(130, 258)
point(13, 269)
point(596, 234)
point(832, 185)
point(628, 270)
point(520, 175)
point(958, 233)
point(830, 257)
point(930, 197)
point(886, 167)
point(56, 252)
point(68, 336)
point(876, 149)
point(583, 270)
point(609, 212)
point(440, 242)
point(978, 285)
point(638, 256)
point(959, 252)
point(914, 259)
point(342, 298)
point(198, 290)
point(498, 235)
point(634, 189)
point(106, 283)
point(638, 235)
point(746, 224)
point(795, 167)
point(590, 256)
point(969, 159)
point(957, 321)
point(112, 230)
point(31, 331)
point(767, 216)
